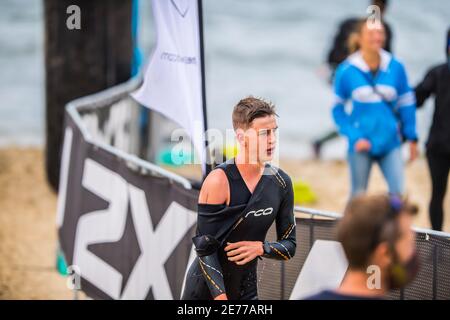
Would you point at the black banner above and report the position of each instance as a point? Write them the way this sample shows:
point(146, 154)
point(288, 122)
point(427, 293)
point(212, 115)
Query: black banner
point(127, 235)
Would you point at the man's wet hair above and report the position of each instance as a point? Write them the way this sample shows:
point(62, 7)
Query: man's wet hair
point(249, 109)
point(368, 221)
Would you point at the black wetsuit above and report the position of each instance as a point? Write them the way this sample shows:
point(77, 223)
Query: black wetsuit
point(248, 217)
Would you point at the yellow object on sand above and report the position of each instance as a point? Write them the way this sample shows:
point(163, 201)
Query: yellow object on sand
point(303, 193)
point(230, 151)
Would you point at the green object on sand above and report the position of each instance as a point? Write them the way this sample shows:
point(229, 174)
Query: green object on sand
point(61, 264)
point(166, 157)
point(303, 193)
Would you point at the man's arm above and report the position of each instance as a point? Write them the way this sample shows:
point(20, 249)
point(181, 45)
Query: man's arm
point(214, 191)
point(284, 247)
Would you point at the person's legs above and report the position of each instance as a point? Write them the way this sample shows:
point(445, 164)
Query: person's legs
point(360, 164)
point(318, 143)
point(392, 167)
point(439, 166)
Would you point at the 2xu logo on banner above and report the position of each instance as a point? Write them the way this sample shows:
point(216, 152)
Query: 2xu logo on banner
point(104, 226)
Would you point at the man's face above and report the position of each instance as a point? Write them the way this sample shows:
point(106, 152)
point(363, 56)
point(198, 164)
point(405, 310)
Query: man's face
point(405, 247)
point(260, 139)
point(406, 244)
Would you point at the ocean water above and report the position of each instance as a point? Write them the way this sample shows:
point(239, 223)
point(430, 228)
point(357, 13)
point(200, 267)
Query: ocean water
point(271, 49)
point(22, 72)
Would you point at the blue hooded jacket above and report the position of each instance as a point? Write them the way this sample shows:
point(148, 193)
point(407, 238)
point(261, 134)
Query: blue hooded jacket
point(382, 114)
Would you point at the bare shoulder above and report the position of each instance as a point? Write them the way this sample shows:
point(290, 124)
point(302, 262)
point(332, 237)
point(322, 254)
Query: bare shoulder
point(215, 189)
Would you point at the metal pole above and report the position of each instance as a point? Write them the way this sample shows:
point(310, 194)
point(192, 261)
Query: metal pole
point(208, 166)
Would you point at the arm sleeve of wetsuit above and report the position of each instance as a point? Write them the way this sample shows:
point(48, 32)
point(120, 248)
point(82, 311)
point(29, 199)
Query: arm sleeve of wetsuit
point(425, 89)
point(284, 247)
point(212, 272)
point(206, 247)
point(406, 106)
point(209, 264)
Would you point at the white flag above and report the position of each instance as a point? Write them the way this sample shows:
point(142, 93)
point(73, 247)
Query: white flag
point(173, 79)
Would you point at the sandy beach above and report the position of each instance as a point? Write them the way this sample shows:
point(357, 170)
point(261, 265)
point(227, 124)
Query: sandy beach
point(27, 229)
point(28, 208)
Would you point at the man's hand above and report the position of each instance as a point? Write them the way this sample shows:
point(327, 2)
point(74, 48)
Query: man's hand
point(413, 151)
point(222, 296)
point(363, 145)
point(243, 252)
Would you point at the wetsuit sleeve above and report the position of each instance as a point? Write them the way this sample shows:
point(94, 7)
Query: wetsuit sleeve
point(426, 88)
point(406, 106)
point(284, 247)
point(341, 118)
point(206, 247)
point(212, 271)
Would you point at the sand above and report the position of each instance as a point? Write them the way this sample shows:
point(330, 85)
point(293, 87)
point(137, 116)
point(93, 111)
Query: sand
point(28, 207)
point(27, 229)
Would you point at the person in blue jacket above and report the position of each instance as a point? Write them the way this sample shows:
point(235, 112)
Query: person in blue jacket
point(383, 111)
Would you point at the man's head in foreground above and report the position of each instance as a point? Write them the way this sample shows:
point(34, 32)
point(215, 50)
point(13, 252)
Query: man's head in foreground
point(379, 243)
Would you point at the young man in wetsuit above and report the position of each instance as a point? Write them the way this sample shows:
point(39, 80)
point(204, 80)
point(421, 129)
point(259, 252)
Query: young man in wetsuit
point(238, 203)
point(380, 247)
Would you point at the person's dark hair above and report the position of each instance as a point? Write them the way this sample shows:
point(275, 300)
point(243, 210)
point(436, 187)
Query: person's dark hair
point(367, 223)
point(250, 108)
point(352, 41)
point(381, 3)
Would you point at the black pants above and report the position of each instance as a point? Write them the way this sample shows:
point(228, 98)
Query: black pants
point(439, 164)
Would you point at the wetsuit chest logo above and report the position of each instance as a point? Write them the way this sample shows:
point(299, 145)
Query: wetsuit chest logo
point(260, 212)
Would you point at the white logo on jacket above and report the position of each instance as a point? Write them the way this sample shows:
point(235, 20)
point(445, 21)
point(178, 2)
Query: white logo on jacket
point(260, 212)
point(366, 94)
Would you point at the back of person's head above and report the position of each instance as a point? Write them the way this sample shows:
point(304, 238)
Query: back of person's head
point(376, 230)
